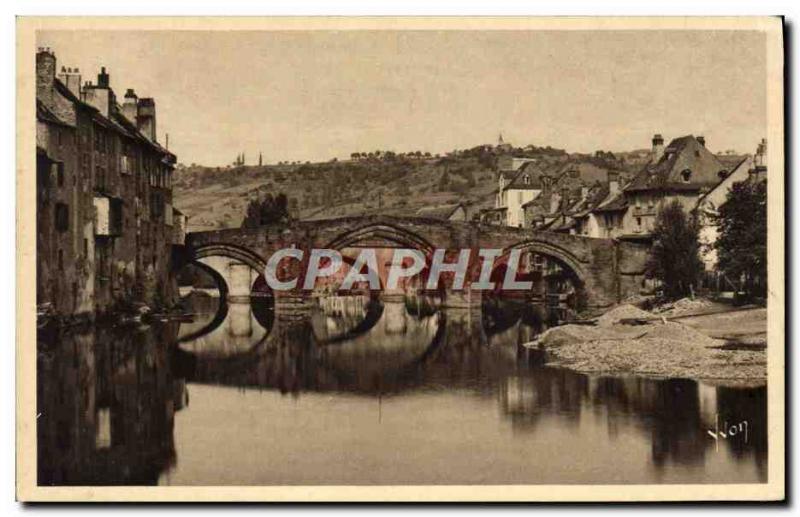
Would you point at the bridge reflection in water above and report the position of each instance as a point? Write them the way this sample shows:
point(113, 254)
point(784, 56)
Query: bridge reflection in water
point(368, 392)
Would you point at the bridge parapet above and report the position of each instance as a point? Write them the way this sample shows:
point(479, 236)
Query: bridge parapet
point(607, 269)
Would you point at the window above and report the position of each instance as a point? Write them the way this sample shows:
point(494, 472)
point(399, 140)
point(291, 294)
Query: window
point(526, 179)
point(639, 222)
point(686, 174)
point(722, 174)
point(61, 217)
point(100, 178)
point(116, 217)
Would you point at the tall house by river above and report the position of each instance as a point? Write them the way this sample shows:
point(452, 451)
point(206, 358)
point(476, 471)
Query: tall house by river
point(105, 221)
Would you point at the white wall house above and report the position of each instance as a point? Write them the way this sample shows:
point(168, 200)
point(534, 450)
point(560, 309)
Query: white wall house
point(514, 191)
point(708, 206)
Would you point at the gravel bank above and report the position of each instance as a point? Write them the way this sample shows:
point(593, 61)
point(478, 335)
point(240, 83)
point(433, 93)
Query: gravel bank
point(655, 349)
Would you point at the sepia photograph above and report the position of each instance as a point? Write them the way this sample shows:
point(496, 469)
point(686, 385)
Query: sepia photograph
point(400, 259)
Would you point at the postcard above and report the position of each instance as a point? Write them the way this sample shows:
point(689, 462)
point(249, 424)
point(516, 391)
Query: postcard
point(400, 259)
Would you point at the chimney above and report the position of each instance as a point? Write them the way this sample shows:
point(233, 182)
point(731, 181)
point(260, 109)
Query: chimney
point(146, 117)
point(701, 140)
point(71, 77)
point(45, 75)
point(658, 147)
point(129, 105)
point(103, 78)
point(100, 95)
point(584, 192)
point(613, 182)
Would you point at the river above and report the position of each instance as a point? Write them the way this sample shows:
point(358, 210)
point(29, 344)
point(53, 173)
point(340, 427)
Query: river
point(366, 392)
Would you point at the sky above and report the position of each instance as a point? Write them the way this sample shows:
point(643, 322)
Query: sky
point(315, 95)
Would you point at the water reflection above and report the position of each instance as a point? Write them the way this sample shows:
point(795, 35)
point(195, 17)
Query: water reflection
point(380, 392)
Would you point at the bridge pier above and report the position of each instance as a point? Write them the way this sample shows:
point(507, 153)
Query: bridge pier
point(238, 277)
point(462, 299)
point(292, 305)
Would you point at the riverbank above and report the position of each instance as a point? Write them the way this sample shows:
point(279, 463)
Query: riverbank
point(711, 342)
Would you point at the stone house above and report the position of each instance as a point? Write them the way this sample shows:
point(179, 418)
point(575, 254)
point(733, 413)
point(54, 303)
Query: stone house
point(104, 195)
point(602, 217)
point(682, 171)
point(514, 190)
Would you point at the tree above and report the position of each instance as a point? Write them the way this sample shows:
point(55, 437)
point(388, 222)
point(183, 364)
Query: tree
point(742, 242)
point(266, 210)
point(675, 255)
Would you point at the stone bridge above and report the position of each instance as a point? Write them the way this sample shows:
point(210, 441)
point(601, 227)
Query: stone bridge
point(605, 270)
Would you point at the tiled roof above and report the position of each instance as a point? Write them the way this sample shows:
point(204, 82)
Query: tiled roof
point(560, 224)
point(117, 122)
point(684, 155)
point(533, 174)
point(597, 194)
point(613, 203)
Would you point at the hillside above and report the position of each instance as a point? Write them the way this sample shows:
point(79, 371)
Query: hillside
point(377, 182)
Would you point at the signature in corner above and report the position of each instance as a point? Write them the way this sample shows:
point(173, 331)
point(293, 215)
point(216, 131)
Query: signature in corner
point(728, 431)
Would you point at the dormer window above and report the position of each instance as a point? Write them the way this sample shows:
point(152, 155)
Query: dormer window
point(686, 174)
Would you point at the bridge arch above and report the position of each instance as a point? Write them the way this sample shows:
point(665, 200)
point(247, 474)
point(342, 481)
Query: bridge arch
point(574, 271)
point(545, 248)
point(231, 284)
point(383, 231)
point(232, 251)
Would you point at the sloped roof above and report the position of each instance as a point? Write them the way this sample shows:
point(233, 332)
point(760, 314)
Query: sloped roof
point(746, 162)
point(116, 122)
point(597, 194)
point(439, 212)
point(44, 114)
point(613, 203)
point(682, 154)
point(62, 89)
point(533, 174)
point(560, 224)
point(587, 171)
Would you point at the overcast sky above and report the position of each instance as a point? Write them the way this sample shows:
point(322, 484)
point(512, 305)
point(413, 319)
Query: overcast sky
point(316, 95)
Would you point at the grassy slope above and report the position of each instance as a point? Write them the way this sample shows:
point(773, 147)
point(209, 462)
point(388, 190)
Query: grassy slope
point(217, 197)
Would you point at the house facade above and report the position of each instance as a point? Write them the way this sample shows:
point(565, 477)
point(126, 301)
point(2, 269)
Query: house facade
point(514, 191)
point(683, 171)
point(104, 196)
